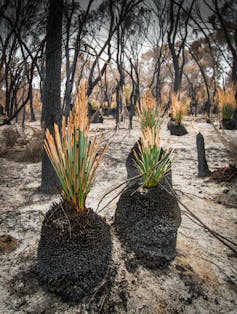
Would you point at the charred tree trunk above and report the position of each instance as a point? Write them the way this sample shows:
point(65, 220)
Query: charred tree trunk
point(32, 113)
point(52, 101)
point(117, 105)
point(203, 170)
point(201, 68)
point(234, 70)
point(23, 117)
point(173, 33)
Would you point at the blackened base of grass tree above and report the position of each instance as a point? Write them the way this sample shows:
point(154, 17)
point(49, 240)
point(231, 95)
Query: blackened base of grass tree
point(228, 124)
point(176, 129)
point(146, 221)
point(74, 252)
point(52, 101)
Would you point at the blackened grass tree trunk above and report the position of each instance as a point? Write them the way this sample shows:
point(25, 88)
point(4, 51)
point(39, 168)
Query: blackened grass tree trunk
point(133, 96)
point(32, 113)
point(203, 170)
point(28, 79)
point(52, 101)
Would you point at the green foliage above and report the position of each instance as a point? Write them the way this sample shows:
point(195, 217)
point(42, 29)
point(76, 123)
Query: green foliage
point(178, 116)
point(152, 161)
point(94, 105)
point(150, 118)
point(178, 109)
point(74, 157)
point(227, 111)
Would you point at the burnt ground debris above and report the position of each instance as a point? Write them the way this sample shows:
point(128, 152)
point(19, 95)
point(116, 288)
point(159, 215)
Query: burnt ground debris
point(7, 243)
point(207, 288)
point(224, 174)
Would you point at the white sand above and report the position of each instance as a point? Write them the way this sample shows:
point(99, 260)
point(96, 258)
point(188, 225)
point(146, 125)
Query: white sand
point(202, 278)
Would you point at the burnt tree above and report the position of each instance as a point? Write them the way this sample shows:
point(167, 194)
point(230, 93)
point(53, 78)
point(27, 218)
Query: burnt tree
point(52, 101)
point(178, 28)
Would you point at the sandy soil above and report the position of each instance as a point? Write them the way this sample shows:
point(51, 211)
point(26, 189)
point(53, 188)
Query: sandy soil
point(202, 278)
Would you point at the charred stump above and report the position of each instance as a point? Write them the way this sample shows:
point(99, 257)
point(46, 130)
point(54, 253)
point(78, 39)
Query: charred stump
point(203, 170)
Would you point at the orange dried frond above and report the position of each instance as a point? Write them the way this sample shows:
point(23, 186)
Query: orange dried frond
point(186, 102)
point(150, 113)
point(150, 138)
point(174, 101)
point(78, 117)
point(181, 102)
point(226, 96)
point(148, 103)
point(148, 100)
point(178, 107)
point(200, 96)
point(75, 158)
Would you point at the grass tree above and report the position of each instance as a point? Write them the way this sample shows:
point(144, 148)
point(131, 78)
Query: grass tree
point(227, 103)
point(147, 216)
point(75, 245)
point(152, 161)
point(150, 114)
point(74, 157)
point(178, 109)
point(179, 105)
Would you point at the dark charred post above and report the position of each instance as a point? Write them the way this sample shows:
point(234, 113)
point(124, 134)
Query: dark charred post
point(32, 113)
point(1, 110)
point(203, 170)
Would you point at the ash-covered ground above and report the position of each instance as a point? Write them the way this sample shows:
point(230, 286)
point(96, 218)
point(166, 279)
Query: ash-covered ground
point(202, 278)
